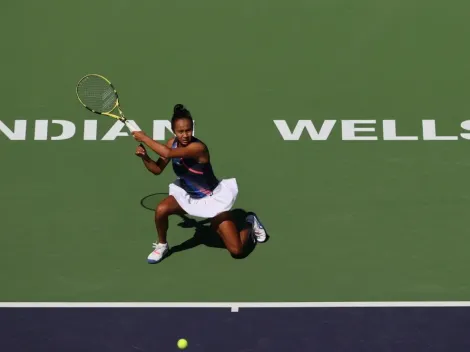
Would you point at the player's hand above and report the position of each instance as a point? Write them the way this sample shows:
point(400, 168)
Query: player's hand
point(139, 136)
point(140, 151)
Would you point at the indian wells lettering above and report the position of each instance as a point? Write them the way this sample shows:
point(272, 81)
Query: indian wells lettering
point(105, 130)
point(365, 130)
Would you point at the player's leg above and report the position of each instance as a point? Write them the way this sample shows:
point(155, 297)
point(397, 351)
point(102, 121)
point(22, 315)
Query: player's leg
point(168, 206)
point(234, 240)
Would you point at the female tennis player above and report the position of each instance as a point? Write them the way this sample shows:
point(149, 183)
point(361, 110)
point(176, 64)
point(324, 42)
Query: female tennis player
point(196, 191)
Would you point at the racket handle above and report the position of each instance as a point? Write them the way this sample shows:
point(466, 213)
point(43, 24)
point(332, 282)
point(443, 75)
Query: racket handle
point(131, 126)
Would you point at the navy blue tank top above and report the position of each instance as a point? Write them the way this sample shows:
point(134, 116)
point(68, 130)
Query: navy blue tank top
point(196, 178)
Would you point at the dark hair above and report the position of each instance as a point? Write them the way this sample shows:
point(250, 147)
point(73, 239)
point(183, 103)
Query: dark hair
point(180, 112)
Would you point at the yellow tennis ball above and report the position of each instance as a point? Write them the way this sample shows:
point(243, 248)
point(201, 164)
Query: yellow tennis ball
point(182, 344)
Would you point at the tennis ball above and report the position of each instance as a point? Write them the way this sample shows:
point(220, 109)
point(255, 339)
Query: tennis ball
point(182, 344)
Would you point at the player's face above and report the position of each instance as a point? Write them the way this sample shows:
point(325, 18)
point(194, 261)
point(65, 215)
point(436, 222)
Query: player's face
point(183, 131)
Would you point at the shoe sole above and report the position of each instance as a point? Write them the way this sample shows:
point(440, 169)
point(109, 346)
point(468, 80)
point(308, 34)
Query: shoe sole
point(261, 227)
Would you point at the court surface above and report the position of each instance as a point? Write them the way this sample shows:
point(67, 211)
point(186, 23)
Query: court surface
point(349, 220)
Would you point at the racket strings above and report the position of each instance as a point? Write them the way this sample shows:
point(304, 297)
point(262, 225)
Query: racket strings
point(97, 94)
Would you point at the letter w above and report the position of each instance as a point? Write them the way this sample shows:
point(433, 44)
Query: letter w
point(287, 135)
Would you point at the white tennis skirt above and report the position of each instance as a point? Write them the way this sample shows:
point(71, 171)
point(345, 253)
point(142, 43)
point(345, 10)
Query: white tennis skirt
point(222, 199)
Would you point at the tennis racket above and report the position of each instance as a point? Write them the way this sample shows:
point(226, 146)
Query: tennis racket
point(97, 94)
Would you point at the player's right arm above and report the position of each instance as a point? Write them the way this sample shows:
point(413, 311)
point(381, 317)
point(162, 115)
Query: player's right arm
point(155, 167)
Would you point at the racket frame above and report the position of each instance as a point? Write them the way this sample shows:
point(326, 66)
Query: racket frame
point(132, 127)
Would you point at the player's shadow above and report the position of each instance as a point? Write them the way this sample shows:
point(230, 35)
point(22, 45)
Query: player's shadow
point(203, 233)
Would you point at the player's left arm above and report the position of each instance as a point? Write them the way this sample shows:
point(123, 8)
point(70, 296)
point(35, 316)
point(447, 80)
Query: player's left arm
point(193, 150)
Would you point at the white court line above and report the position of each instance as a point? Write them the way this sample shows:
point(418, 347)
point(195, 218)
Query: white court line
point(234, 306)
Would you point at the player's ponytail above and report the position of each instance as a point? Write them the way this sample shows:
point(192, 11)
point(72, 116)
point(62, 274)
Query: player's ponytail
point(180, 112)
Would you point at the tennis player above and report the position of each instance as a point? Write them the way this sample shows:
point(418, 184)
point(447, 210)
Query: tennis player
point(196, 191)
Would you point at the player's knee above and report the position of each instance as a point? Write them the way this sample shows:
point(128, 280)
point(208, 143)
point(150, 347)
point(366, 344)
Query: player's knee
point(235, 250)
point(161, 211)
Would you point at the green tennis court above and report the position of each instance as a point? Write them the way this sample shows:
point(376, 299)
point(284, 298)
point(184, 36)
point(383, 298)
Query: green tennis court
point(349, 220)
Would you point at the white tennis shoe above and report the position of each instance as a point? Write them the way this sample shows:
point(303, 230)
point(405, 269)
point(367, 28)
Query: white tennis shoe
point(160, 250)
point(258, 230)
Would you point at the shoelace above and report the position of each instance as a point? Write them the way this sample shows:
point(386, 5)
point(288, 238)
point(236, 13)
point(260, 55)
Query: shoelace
point(155, 245)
